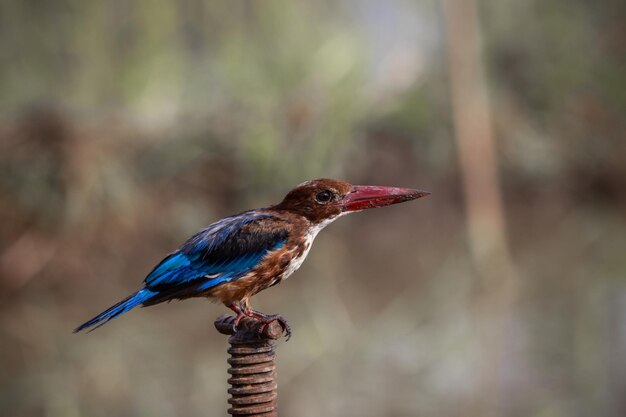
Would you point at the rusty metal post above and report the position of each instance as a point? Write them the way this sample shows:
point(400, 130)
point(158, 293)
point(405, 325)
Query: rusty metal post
point(253, 377)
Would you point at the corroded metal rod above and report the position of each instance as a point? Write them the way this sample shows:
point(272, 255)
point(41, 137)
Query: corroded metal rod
point(252, 369)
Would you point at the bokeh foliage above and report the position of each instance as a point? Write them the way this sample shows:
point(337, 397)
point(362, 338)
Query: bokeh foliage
point(127, 125)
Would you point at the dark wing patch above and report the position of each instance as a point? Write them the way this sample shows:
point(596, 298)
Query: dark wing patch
point(223, 252)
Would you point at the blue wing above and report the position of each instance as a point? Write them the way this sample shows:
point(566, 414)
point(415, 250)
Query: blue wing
point(223, 252)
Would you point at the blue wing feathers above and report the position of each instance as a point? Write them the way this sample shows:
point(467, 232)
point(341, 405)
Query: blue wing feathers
point(172, 263)
point(221, 253)
point(221, 249)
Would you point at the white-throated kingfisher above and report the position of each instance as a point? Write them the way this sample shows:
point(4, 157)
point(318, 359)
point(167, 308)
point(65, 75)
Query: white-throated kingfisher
point(236, 257)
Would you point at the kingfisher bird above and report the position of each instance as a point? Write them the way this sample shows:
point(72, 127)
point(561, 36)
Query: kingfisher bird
point(236, 257)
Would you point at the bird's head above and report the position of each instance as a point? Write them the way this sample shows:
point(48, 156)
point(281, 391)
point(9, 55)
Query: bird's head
point(322, 200)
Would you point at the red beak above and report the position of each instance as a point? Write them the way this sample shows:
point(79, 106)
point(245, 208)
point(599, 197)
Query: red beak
point(371, 196)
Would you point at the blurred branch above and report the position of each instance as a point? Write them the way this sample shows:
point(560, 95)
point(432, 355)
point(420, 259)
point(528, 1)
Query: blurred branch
point(485, 214)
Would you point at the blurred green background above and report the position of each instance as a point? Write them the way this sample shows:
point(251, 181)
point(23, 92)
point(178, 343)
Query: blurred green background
point(126, 126)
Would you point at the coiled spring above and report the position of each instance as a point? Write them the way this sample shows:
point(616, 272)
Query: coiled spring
point(252, 369)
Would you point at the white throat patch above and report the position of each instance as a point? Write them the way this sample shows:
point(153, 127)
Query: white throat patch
point(308, 242)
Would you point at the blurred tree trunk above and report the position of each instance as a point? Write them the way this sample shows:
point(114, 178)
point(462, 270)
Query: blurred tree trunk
point(477, 155)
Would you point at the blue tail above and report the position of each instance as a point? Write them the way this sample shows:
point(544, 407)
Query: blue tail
point(122, 307)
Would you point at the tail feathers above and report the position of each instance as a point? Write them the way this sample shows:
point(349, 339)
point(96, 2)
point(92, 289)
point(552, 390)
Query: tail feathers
point(122, 307)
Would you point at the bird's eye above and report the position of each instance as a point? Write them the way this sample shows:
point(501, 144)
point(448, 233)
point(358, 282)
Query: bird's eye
point(324, 196)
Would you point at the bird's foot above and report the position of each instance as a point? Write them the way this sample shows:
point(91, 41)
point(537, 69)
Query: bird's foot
point(241, 313)
point(266, 319)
